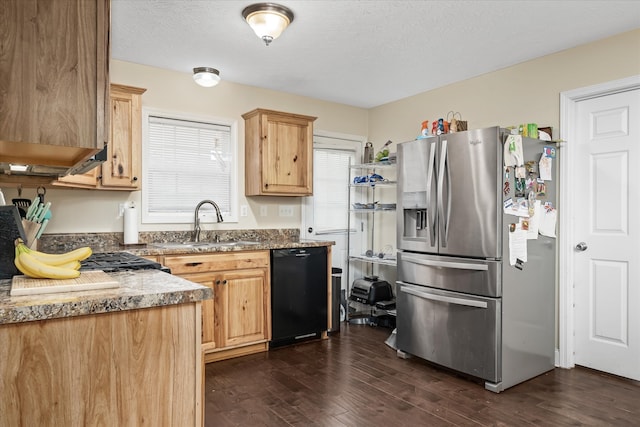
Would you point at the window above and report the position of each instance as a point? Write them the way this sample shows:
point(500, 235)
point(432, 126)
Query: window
point(188, 159)
point(330, 188)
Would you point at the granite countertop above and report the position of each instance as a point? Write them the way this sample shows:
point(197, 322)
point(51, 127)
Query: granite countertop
point(169, 248)
point(138, 289)
point(141, 288)
point(161, 243)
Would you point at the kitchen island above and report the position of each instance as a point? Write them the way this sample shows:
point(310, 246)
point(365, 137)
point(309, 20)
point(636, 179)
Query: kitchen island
point(130, 355)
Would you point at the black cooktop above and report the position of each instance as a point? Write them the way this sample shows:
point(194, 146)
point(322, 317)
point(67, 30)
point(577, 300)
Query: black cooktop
point(119, 261)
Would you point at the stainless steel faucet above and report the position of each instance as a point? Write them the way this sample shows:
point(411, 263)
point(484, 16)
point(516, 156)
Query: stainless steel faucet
point(196, 219)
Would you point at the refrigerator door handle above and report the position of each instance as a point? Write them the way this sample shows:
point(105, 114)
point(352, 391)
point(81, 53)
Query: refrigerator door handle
point(444, 226)
point(445, 264)
point(443, 298)
point(448, 172)
point(431, 217)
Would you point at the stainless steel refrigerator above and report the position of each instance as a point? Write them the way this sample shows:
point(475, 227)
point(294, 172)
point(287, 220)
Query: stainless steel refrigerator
point(460, 301)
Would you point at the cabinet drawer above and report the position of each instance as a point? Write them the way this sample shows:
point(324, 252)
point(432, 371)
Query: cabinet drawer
point(181, 264)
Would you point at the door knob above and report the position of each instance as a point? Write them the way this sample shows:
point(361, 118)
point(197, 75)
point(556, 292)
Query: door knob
point(582, 246)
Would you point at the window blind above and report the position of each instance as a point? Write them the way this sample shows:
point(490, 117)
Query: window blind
point(188, 161)
point(330, 188)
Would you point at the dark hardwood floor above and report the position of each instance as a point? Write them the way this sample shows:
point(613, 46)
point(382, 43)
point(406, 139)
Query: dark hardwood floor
point(354, 379)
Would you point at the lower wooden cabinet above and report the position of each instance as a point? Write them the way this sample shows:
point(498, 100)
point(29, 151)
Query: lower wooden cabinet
point(238, 319)
point(125, 368)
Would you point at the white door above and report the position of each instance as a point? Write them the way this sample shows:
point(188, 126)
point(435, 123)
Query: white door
point(325, 213)
point(606, 233)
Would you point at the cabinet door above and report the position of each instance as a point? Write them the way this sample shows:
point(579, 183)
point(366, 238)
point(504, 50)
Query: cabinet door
point(54, 70)
point(241, 307)
point(287, 165)
point(122, 168)
point(208, 307)
point(279, 146)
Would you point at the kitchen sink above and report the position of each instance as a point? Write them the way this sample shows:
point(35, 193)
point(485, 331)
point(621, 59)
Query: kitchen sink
point(236, 243)
point(187, 245)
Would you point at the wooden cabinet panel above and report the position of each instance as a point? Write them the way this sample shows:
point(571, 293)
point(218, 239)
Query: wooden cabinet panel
point(241, 307)
point(208, 307)
point(136, 367)
point(85, 180)
point(123, 166)
point(184, 264)
point(54, 80)
point(278, 153)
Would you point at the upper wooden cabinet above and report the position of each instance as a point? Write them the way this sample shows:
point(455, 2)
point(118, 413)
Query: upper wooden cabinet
point(123, 166)
point(122, 169)
point(54, 80)
point(278, 153)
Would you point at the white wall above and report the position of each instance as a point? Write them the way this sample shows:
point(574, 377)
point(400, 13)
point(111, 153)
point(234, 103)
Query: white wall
point(524, 93)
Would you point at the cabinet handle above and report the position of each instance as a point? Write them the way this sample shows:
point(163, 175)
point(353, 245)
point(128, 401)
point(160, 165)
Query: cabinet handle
point(224, 282)
point(135, 178)
point(217, 282)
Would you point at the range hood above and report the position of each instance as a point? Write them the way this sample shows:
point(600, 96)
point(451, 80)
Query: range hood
point(24, 161)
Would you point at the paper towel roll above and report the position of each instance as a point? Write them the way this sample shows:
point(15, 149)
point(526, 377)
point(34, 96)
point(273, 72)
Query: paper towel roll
point(130, 225)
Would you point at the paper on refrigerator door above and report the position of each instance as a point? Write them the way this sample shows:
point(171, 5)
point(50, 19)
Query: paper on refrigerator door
point(534, 221)
point(517, 245)
point(548, 222)
point(545, 165)
point(513, 154)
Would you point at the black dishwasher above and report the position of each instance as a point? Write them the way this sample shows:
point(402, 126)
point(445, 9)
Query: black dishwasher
point(298, 294)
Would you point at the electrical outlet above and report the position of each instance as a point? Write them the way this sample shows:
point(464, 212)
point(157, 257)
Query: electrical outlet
point(243, 210)
point(263, 211)
point(120, 210)
point(284, 210)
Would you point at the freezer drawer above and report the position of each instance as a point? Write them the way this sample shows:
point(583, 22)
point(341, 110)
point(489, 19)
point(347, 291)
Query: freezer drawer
point(455, 330)
point(470, 276)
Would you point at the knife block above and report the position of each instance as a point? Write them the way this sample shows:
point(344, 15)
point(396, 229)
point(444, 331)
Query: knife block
point(10, 229)
point(31, 230)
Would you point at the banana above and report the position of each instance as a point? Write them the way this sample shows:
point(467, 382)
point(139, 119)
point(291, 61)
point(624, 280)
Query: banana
point(32, 267)
point(73, 265)
point(55, 259)
point(21, 268)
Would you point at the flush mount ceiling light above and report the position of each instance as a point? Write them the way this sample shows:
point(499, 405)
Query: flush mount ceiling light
point(206, 76)
point(268, 20)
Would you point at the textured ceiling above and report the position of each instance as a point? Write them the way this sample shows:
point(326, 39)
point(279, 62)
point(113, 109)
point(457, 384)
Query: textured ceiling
point(365, 52)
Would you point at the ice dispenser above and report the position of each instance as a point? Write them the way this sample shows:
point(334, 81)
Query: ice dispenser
point(415, 230)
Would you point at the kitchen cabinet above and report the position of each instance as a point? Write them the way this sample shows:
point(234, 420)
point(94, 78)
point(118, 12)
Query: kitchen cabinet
point(123, 368)
point(278, 153)
point(372, 213)
point(54, 81)
point(238, 319)
point(122, 169)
